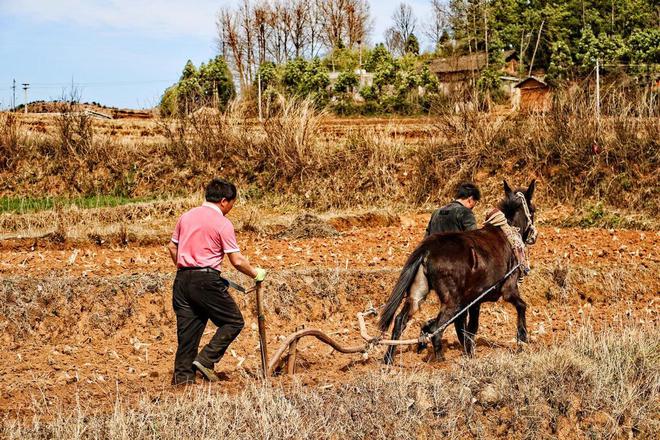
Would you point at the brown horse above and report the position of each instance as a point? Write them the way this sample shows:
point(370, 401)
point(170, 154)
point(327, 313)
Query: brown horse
point(459, 266)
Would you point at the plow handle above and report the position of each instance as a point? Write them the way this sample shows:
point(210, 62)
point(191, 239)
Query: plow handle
point(261, 318)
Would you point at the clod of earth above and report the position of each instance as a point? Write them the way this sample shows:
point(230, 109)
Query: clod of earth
point(308, 226)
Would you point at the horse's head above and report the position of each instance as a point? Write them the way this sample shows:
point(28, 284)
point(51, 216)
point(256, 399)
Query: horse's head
point(519, 210)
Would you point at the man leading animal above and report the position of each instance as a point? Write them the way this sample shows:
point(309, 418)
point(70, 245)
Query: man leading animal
point(457, 216)
point(463, 267)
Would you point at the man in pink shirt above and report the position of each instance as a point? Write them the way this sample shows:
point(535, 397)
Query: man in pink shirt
point(201, 239)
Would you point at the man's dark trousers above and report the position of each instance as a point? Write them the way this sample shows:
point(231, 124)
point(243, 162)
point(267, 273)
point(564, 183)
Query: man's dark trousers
point(199, 296)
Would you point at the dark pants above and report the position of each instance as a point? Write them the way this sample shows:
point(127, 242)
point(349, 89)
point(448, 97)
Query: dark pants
point(198, 297)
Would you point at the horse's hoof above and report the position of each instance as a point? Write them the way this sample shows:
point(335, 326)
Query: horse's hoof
point(434, 358)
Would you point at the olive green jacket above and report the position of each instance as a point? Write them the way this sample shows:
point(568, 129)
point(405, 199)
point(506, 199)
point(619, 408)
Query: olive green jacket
point(453, 217)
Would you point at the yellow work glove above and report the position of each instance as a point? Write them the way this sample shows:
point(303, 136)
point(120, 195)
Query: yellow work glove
point(261, 274)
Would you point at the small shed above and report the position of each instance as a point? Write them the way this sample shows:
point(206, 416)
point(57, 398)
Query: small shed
point(459, 72)
point(535, 95)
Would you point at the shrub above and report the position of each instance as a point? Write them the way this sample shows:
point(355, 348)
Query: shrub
point(168, 102)
point(306, 79)
point(197, 88)
point(346, 82)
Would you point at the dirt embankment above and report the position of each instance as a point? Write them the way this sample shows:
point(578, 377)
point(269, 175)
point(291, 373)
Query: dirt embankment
point(295, 160)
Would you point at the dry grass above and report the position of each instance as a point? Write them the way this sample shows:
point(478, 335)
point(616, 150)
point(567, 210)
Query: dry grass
point(287, 160)
point(290, 150)
point(208, 136)
point(318, 294)
point(151, 222)
point(102, 303)
point(600, 385)
point(10, 139)
point(147, 221)
point(615, 161)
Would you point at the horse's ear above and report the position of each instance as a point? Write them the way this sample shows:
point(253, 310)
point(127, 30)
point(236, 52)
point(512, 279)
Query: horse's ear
point(507, 189)
point(530, 190)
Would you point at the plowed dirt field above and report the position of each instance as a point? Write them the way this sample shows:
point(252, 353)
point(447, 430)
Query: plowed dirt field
point(84, 324)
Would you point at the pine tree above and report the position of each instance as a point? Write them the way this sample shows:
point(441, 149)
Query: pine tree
point(216, 74)
point(412, 45)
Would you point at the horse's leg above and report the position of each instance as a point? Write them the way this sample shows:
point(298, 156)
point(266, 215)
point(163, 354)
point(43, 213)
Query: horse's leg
point(445, 315)
point(472, 328)
point(399, 325)
point(417, 293)
point(459, 325)
point(426, 328)
point(521, 308)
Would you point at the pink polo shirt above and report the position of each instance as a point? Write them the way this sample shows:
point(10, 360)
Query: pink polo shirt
point(203, 236)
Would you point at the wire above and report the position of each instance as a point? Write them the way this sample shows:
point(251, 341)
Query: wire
point(45, 86)
point(631, 65)
point(103, 83)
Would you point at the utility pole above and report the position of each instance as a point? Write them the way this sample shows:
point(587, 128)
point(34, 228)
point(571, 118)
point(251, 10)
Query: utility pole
point(259, 93)
point(598, 91)
point(359, 42)
point(486, 30)
point(538, 39)
point(26, 86)
point(13, 98)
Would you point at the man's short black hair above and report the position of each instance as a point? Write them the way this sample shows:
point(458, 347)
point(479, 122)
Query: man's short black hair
point(219, 189)
point(467, 190)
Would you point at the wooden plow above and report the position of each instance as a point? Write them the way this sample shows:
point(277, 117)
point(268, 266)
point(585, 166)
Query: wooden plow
point(290, 344)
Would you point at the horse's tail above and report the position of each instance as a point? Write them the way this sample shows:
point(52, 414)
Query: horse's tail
point(406, 278)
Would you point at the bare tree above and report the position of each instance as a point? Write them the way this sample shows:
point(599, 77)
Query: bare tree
point(277, 30)
point(299, 25)
point(247, 31)
point(332, 13)
point(437, 29)
point(274, 49)
point(404, 24)
point(315, 30)
point(358, 23)
point(231, 41)
point(283, 25)
point(222, 40)
point(405, 21)
point(261, 28)
point(393, 41)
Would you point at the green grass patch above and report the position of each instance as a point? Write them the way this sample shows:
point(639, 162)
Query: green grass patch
point(21, 205)
point(597, 215)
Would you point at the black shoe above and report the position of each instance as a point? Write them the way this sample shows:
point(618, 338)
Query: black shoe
point(208, 373)
point(183, 382)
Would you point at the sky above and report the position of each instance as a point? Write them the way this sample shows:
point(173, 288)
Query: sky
point(121, 53)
